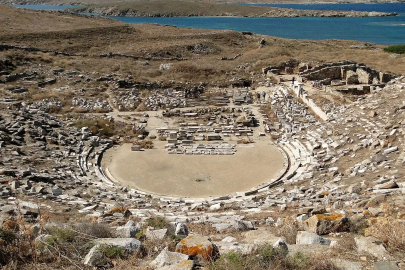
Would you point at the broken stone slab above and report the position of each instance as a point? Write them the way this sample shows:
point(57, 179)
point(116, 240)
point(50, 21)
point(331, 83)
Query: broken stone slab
point(244, 249)
point(389, 190)
point(372, 246)
point(88, 209)
point(390, 150)
point(166, 258)
point(386, 266)
point(375, 211)
point(280, 247)
point(388, 185)
point(181, 229)
point(376, 200)
point(221, 226)
point(308, 238)
point(347, 265)
point(259, 237)
point(96, 258)
point(379, 158)
point(156, 234)
point(326, 223)
point(229, 239)
point(127, 231)
point(241, 225)
point(183, 265)
point(216, 206)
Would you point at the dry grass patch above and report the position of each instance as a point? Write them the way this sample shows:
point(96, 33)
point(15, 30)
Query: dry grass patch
point(268, 258)
point(390, 232)
point(203, 228)
point(147, 144)
point(288, 230)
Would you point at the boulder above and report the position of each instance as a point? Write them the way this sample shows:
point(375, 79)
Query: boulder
point(372, 246)
point(96, 258)
point(387, 185)
point(326, 223)
point(221, 226)
point(181, 229)
point(386, 266)
point(241, 225)
point(156, 234)
point(308, 238)
point(376, 200)
point(166, 258)
point(354, 189)
point(379, 158)
point(280, 247)
point(259, 237)
point(127, 232)
point(200, 247)
point(244, 249)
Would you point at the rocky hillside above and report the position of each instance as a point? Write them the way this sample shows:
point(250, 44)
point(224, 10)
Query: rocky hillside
point(186, 9)
point(73, 87)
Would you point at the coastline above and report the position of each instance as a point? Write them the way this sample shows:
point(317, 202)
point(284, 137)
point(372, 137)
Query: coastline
point(271, 13)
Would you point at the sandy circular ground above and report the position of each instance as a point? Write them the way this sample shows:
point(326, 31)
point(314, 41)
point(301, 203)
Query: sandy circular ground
point(158, 172)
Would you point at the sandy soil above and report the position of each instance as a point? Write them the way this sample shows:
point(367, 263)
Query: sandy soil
point(156, 171)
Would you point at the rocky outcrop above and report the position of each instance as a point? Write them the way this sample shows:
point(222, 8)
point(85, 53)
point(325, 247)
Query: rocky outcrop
point(200, 247)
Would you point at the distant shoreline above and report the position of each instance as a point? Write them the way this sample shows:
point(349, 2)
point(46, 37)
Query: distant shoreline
point(190, 9)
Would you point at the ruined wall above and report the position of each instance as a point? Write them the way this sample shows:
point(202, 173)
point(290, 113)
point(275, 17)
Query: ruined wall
point(311, 104)
point(350, 71)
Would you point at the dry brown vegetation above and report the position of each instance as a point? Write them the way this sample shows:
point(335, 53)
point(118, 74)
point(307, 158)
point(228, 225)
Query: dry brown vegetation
point(152, 45)
point(182, 8)
point(147, 144)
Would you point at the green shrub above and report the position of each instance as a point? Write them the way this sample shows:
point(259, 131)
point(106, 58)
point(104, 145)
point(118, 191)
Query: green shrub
point(61, 235)
point(156, 222)
point(98, 230)
point(231, 260)
point(7, 236)
point(52, 241)
point(140, 235)
point(299, 260)
point(399, 49)
point(112, 252)
point(266, 253)
point(232, 257)
point(176, 238)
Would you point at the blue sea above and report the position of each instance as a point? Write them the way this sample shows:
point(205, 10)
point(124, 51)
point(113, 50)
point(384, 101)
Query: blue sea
point(380, 30)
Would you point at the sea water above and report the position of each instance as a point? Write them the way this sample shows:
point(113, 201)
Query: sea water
point(380, 30)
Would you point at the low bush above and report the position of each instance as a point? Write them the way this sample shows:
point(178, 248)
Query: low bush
point(144, 144)
point(399, 49)
point(62, 234)
point(288, 230)
point(140, 235)
point(96, 230)
point(391, 233)
point(100, 127)
point(157, 222)
point(112, 252)
point(266, 258)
